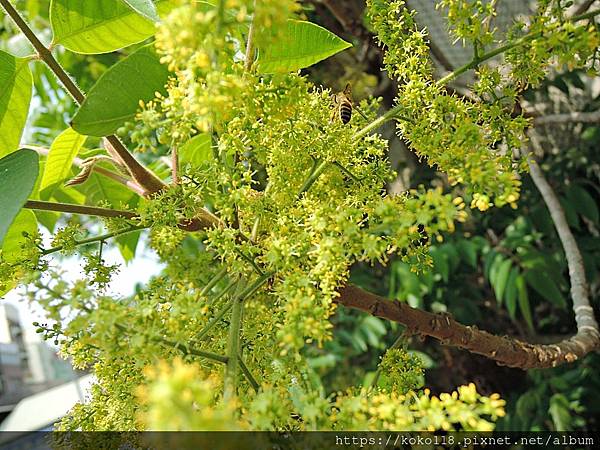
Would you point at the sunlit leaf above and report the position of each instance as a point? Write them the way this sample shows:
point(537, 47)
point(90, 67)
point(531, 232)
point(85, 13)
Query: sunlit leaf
point(115, 98)
point(144, 7)
point(15, 94)
point(23, 227)
point(60, 159)
point(300, 44)
point(100, 26)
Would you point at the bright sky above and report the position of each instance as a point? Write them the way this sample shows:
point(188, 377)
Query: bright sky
point(140, 270)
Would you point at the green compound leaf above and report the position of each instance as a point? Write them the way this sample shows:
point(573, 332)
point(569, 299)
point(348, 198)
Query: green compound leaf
point(301, 44)
point(101, 26)
point(60, 158)
point(15, 94)
point(115, 97)
point(144, 7)
point(18, 172)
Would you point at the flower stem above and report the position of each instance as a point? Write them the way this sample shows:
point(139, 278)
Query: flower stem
point(100, 238)
point(395, 111)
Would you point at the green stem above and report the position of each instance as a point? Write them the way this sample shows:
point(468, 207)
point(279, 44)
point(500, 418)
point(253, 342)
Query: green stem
point(204, 332)
point(91, 240)
point(250, 44)
point(248, 374)
point(215, 279)
point(181, 347)
point(78, 209)
point(193, 351)
point(394, 112)
point(215, 300)
point(233, 346)
point(250, 261)
point(250, 290)
point(313, 177)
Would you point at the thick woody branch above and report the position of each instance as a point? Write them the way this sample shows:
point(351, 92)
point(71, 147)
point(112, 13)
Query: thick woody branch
point(581, 117)
point(588, 336)
point(503, 349)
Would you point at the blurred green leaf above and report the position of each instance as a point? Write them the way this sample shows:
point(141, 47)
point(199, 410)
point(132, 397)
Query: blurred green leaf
point(523, 297)
point(583, 202)
point(511, 289)
point(468, 251)
point(196, 151)
point(560, 412)
point(544, 285)
point(501, 279)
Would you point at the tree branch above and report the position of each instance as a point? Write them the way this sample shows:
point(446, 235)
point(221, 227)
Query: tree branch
point(503, 349)
point(576, 116)
point(78, 209)
point(587, 335)
point(93, 239)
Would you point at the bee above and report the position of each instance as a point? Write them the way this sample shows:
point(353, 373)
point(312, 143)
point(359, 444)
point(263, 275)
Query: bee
point(343, 105)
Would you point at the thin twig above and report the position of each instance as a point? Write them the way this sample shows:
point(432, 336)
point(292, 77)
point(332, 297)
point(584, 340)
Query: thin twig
point(93, 239)
point(78, 209)
point(78, 162)
point(248, 374)
point(250, 44)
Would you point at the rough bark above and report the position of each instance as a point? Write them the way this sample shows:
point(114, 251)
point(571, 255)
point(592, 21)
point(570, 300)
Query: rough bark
point(503, 349)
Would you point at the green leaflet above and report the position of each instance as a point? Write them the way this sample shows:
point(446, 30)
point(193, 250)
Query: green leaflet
point(15, 94)
point(501, 279)
point(115, 97)
point(523, 298)
point(301, 44)
point(60, 158)
point(144, 7)
point(546, 286)
point(101, 26)
point(18, 172)
point(196, 151)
